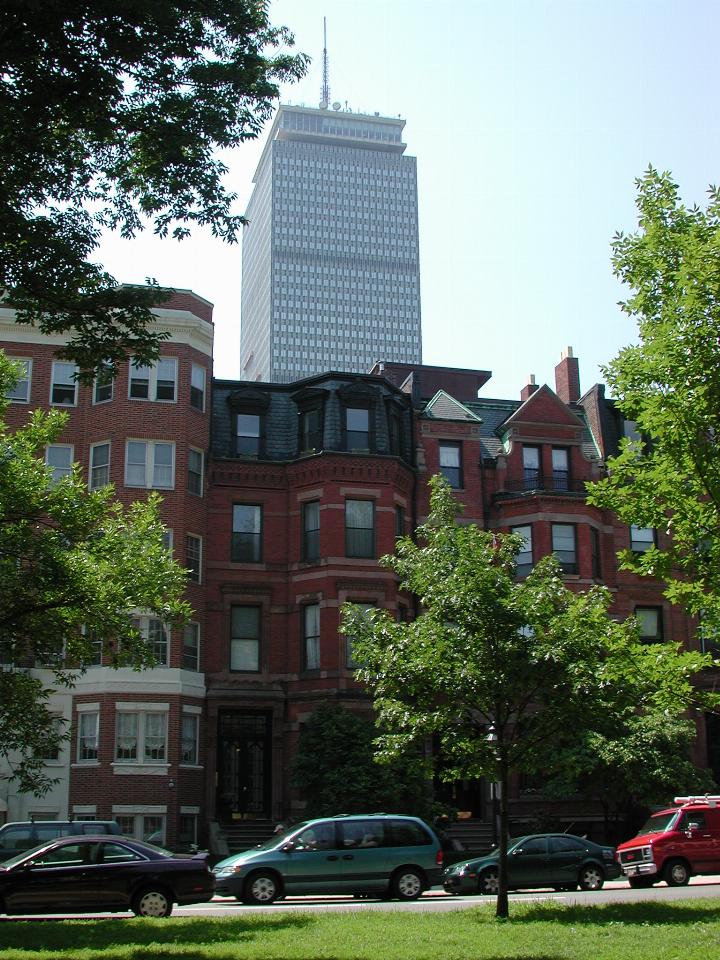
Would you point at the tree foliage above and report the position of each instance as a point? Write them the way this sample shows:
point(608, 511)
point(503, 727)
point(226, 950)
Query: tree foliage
point(335, 769)
point(110, 118)
point(75, 565)
point(669, 384)
point(506, 674)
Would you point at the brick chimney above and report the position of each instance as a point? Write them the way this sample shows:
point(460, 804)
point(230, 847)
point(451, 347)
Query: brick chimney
point(567, 377)
point(529, 389)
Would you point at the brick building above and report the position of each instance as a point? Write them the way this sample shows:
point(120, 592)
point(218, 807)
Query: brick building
point(279, 499)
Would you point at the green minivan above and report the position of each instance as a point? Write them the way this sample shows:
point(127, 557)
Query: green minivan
point(388, 855)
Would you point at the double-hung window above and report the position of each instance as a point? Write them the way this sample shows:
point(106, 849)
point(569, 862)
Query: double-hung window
point(20, 393)
point(59, 457)
point(141, 736)
point(651, 624)
point(451, 463)
point(158, 382)
point(247, 533)
point(245, 638)
point(359, 528)
point(103, 385)
point(195, 471)
point(357, 429)
point(311, 530)
point(193, 557)
point(311, 429)
point(311, 636)
point(189, 738)
point(524, 558)
point(248, 434)
point(350, 661)
point(531, 467)
point(63, 391)
point(191, 647)
point(641, 538)
point(560, 468)
point(564, 546)
point(399, 521)
point(87, 741)
point(197, 387)
point(150, 463)
point(99, 465)
point(155, 634)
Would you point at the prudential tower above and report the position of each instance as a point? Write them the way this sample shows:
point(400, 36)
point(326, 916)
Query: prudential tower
point(331, 274)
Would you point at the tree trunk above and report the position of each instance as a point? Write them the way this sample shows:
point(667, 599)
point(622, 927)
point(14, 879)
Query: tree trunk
point(501, 909)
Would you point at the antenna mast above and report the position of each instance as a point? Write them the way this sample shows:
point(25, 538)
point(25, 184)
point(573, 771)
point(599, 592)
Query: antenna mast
point(325, 92)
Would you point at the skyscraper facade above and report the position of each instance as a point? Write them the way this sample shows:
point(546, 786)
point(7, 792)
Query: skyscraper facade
point(331, 273)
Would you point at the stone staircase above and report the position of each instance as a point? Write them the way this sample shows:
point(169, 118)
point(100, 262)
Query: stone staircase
point(476, 836)
point(246, 834)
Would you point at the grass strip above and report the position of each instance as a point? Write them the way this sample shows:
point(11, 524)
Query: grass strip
point(687, 930)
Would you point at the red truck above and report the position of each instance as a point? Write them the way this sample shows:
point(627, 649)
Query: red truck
point(674, 844)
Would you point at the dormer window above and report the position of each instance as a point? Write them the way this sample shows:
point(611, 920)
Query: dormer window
point(357, 429)
point(249, 409)
point(248, 434)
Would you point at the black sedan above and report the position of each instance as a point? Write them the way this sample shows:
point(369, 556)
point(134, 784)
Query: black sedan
point(557, 860)
point(102, 873)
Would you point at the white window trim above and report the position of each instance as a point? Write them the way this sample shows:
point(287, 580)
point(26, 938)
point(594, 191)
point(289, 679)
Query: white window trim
point(201, 455)
point(54, 382)
point(65, 472)
point(141, 712)
point(150, 464)
point(92, 467)
point(152, 396)
point(84, 710)
point(26, 379)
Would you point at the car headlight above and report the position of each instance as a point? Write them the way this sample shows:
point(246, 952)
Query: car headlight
point(228, 871)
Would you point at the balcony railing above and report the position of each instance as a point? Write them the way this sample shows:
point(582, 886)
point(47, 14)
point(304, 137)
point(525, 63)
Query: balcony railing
point(556, 484)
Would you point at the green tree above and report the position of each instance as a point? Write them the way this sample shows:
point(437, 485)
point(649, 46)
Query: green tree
point(669, 385)
point(335, 769)
point(111, 116)
point(74, 565)
point(506, 674)
point(631, 761)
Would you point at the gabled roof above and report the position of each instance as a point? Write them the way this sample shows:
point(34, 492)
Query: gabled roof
point(444, 407)
point(528, 412)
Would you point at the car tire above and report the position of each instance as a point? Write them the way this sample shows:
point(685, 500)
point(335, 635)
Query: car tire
point(152, 902)
point(591, 877)
point(489, 882)
point(641, 883)
point(676, 873)
point(407, 883)
point(261, 888)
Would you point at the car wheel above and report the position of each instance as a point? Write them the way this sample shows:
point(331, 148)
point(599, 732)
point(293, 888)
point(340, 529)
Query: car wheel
point(489, 882)
point(261, 888)
point(152, 902)
point(407, 884)
point(676, 873)
point(641, 883)
point(591, 877)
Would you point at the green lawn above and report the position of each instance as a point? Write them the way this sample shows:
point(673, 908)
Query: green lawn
point(689, 930)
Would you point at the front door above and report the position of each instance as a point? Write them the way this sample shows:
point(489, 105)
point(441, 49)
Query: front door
point(243, 765)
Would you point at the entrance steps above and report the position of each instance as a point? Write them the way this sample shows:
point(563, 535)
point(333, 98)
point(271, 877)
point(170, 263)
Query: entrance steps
point(476, 836)
point(245, 834)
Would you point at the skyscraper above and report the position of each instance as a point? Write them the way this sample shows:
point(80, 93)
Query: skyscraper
point(331, 275)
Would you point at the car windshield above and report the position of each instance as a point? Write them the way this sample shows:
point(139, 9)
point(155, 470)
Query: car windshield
point(23, 855)
point(278, 839)
point(658, 823)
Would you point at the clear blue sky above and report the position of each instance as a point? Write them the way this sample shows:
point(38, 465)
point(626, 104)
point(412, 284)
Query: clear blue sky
point(530, 120)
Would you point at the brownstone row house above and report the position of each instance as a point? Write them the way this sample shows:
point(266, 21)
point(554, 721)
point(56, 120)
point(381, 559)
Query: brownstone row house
point(279, 499)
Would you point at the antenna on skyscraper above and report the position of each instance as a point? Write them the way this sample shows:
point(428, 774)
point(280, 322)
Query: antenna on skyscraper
point(325, 91)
